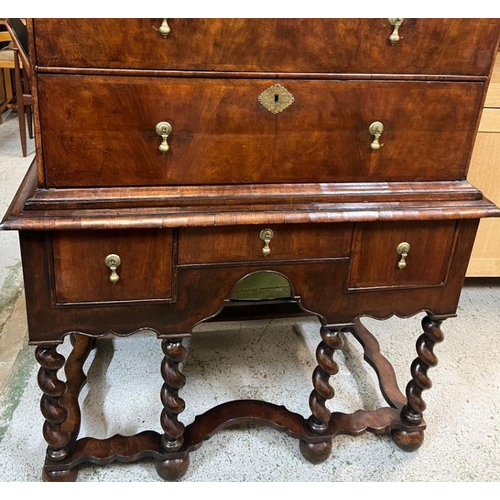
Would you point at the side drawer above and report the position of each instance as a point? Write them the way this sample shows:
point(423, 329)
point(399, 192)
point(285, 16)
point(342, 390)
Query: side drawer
point(205, 245)
point(376, 262)
point(81, 273)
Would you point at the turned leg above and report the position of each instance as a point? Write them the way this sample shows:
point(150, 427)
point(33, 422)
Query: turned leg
point(55, 415)
point(319, 420)
point(173, 405)
point(412, 412)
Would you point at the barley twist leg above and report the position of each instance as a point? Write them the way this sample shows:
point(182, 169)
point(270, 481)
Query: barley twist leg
point(412, 412)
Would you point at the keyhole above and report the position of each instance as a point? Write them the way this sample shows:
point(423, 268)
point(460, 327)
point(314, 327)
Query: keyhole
point(276, 97)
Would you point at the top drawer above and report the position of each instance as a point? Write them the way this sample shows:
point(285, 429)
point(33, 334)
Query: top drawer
point(425, 46)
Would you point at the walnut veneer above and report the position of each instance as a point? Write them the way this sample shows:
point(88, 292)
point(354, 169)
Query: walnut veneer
point(124, 229)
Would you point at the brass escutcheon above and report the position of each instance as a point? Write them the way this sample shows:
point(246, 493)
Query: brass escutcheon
point(163, 129)
point(164, 29)
point(276, 98)
point(396, 22)
point(113, 261)
point(266, 235)
point(403, 249)
point(376, 129)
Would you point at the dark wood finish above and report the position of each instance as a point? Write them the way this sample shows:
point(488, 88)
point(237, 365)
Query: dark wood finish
point(186, 224)
point(219, 125)
point(55, 415)
point(412, 412)
point(81, 275)
point(243, 243)
point(375, 259)
point(172, 464)
point(427, 46)
point(173, 405)
point(319, 420)
point(383, 368)
point(205, 290)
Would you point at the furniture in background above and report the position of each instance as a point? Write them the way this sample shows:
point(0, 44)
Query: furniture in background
point(6, 66)
point(18, 32)
point(484, 172)
point(329, 152)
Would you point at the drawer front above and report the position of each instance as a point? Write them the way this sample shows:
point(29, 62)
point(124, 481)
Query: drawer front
point(82, 272)
point(248, 243)
point(378, 257)
point(101, 131)
point(425, 46)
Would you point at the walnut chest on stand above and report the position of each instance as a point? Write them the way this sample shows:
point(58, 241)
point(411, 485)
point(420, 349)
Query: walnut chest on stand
point(330, 152)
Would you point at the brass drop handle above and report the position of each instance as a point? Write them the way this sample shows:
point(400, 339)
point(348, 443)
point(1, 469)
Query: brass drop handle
point(396, 22)
point(266, 235)
point(163, 129)
point(113, 261)
point(376, 129)
point(164, 29)
point(403, 249)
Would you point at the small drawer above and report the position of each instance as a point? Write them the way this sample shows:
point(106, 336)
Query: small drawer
point(109, 266)
point(401, 254)
point(248, 243)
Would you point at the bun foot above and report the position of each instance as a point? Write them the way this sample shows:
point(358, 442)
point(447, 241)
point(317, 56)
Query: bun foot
point(408, 441)
point(173, 469)
point(316, 452)
point(60, 476)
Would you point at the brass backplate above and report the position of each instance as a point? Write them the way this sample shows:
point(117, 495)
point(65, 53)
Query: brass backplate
point(276, 98)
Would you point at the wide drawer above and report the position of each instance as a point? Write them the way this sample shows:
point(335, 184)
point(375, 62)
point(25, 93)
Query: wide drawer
point(112, 266)
point(425, 46)
point(401, 254)
point(248, 243)
point(101, 131)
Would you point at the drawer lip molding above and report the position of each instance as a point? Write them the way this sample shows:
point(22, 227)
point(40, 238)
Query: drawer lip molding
point(260, 75)
point(231, 194)
point(448, 200)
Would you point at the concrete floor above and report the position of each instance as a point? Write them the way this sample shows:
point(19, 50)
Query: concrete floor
point(12, 170)
point(270, 360)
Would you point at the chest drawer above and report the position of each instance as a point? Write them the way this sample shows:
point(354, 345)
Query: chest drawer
point(101, 131)
point(425, 46)
point(248, 243)
point(112, 266)
point(401, 254)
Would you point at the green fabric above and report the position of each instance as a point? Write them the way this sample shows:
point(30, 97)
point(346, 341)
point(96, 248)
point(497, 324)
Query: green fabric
point(262, 285)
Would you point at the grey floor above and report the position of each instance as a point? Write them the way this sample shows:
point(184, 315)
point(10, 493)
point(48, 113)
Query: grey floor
point(270, 360)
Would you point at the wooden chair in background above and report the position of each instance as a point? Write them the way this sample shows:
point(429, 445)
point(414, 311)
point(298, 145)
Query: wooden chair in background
point(6, 66)
point(17, 31)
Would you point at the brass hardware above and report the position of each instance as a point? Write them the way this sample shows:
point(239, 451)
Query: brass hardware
point(164, 29)
point(403, 249)
point(163, 129)
point(396, 22)
point(113, 261)
point(276, 98)
point(376, 129)
point(266, 235)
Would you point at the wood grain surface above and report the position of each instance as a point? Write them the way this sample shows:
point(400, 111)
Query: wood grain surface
point(223, 135)
point(428, 46)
